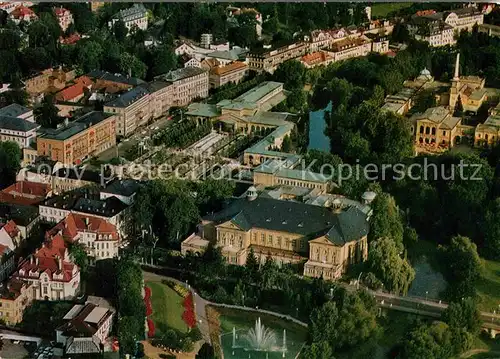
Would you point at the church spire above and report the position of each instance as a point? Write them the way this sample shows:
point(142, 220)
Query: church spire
point(457, 68)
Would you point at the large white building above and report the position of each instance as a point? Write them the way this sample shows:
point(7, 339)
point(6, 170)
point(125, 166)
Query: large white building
point(441, 28)
point(188, 84)
point(136, 16)
point(17, 124)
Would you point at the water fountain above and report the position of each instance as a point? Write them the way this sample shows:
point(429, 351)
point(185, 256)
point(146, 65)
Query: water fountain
point(259, 339)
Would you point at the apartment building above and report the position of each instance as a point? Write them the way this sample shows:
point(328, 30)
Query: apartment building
point(350, 47)
point(320, 39)
point(162, 93)
point(232, 73)
point(64, 17)
point(132, 109)
point(85, 329)
point(18, 130)
point(100, 238)
point(79, 140)
point(50, 271)
point(133, 17)
point(439, 28)
point(269, 59)
point(15, 297)
point(188, 84)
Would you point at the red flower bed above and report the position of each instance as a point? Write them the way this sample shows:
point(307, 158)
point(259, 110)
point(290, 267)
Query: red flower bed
point(188, 316)
point(151, 328)
point(147, 301)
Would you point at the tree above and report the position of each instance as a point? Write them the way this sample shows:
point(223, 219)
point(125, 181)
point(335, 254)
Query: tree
point(430, 342)
point(459, 108)
point(252, 263)
point(243, 32)
point(47, 114)
point(345, 323)
point(292, 73)
point(120, 31)
point(463, 315)
point(80, 258)
point(320, 350)
point(131, 65)
point(385, 261)
point(464, 267)
point(286, 145)
point(492, 234)
point(164, 60)
point(10, 162)
point(88, 54)
point(128, 333)
point(386, 220)
point(211, 194)
point(206, 352)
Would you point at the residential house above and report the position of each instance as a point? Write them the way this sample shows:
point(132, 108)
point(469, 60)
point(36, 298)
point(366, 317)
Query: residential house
point(50, 271)
point(25, 193)
point(24, 14)
point(64, 17)
point(133, 17)
point(25, 217)
point(85, 329)
point(79, 140)
point(15, 297)
point(100, 238)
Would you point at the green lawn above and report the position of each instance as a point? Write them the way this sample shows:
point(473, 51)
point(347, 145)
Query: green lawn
point(381, 10)
point(167, 308)
point(488, 287)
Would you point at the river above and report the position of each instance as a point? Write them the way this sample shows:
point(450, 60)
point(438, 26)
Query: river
point(317, 138)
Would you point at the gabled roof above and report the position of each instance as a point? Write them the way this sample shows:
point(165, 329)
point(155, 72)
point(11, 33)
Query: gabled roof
point(25, 192)
point(75, 223)
point(84, 321)
point(293, 217)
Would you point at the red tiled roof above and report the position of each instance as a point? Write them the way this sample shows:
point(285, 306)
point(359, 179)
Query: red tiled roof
point(11, 228)
point(3, 250)
point(22, 11)
point(60, 11)
point(49, 259)
point(84, 80)
point(316, 57)
point(77, 223)
point(71, 39)
point(425, 12)
point(235, 66)
point(71, 92)
point(25, 193)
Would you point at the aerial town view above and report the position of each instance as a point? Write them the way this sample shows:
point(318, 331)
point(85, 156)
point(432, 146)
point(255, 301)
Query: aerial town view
point(226, 180)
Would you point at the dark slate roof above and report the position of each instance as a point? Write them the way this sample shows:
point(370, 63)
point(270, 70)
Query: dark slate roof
point(156, 85)
point(72, 128)
point(79, 173)
point(16, 124)
point(13, 110)
point(124, 187)
point(129, 97)
point(22, 215)
point(179, 74)
point(284, 216)
point(119, 78)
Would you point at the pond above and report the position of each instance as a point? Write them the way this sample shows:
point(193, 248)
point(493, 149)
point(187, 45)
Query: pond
point(259, 336)
point(428, 282)
point(317, 125)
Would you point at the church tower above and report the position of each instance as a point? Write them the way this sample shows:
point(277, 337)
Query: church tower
point(455, 84)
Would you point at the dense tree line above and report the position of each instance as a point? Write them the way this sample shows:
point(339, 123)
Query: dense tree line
point(182, 134)
point(170, 209)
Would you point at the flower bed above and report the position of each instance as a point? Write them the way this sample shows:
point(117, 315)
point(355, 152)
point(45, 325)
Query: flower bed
point(149, 311)
point(189, 316)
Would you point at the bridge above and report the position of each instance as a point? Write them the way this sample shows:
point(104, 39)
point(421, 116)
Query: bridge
point(430, 308)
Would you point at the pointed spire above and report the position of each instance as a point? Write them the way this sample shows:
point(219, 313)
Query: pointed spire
point(457, 68)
